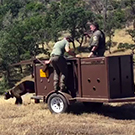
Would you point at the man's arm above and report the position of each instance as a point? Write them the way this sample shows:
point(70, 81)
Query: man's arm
point(67, 48)
point(92, 51)
point(94, 44)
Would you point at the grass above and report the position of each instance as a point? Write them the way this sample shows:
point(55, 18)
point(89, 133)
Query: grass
point(36, 119)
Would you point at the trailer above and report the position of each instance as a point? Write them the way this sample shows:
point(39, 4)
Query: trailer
point(90, 80)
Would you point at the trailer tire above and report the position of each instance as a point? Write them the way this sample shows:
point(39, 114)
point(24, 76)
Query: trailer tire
point(57, 103)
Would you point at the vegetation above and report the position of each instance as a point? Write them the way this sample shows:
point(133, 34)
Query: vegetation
point(27, 26)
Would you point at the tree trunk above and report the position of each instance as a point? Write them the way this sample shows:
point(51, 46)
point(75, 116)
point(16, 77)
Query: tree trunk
point(110, 43)
point(134, 24)
point(80, 42)
point(1, 2)
point(43, 46)
point(73, 45)
point(20, 67)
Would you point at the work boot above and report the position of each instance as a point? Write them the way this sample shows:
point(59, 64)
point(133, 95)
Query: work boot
point(57, 89)
point(65, 90)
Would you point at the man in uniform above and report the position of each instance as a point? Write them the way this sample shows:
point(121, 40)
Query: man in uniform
point(97, 41)
point(59, 62)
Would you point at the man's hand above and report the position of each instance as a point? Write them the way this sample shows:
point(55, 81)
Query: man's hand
point(85, 33)
point(78, 55)
point(91, 55)
point(47, 62)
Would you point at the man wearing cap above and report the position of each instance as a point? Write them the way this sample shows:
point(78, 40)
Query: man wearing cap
point(59, 62)
point(97, 41)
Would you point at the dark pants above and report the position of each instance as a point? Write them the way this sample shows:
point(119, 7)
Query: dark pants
point(101, 52)
point(60, 68)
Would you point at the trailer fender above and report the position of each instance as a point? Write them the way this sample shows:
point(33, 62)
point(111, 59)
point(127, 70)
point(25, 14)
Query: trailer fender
point(65, 95)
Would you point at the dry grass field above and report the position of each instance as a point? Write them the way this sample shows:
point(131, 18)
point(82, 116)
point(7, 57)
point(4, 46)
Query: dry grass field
point(36, 119)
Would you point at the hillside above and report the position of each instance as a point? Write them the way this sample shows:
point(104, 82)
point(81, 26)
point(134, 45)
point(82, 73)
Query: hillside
point(120, 36)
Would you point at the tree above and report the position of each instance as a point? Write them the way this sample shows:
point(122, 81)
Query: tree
point(126, 46)
point(21, 33)
point(73, 18)
point(115, 20)
point(129, 6)
point(52, 21)
point(129, 15)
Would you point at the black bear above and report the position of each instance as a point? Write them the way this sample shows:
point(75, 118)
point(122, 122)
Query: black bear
point(19, 90)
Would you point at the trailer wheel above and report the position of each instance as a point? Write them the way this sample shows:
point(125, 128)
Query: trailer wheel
point(57, 103)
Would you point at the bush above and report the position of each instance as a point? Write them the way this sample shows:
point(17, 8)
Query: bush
point(3, 85)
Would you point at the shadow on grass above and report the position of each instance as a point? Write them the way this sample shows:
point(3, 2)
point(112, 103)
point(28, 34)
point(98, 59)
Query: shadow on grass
point(124, 111)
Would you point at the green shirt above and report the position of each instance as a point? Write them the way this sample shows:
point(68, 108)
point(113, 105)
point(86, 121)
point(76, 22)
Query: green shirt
point(59, 47)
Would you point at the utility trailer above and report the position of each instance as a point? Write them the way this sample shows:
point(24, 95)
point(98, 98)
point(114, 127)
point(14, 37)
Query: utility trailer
point(90, 80)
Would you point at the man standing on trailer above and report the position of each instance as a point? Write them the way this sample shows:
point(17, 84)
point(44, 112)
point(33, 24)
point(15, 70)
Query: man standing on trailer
point(59, 63)
point(97, 41)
